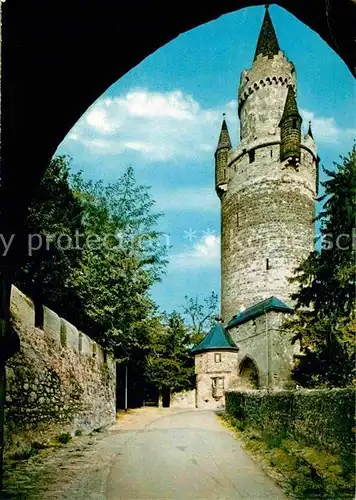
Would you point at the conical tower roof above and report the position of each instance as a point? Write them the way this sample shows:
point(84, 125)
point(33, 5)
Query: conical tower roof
point(267, 44)
point(290, 107)
point(224, 139)
point(218, 338)
point(310, 133)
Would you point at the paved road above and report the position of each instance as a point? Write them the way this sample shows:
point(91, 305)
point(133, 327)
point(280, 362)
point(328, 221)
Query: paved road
point(186, 455)
point(149, 453)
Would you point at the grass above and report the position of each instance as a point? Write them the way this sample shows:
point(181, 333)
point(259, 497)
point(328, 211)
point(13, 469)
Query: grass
point(303, 472)
point(28, 451)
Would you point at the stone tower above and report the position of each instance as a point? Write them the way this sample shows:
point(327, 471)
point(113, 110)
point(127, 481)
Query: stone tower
point(267, 187)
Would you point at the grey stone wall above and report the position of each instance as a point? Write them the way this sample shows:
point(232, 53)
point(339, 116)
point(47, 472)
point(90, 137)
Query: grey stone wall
point(184, 399)
point(206, 369)
point(262, 95)
point(60, 381)
point(267, 209)
point(264, 341)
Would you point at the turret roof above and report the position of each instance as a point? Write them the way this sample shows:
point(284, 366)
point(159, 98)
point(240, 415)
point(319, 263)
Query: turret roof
point(310, 133)
point(224, 139)
point(270, 304)
point(218, 338)
point(267, 44)
point(290, 107)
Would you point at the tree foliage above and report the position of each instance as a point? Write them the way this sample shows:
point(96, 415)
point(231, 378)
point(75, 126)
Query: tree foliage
point(201, 315)
point(325, 321)
point(54, 216)
point(170, 364)
point(101, 281)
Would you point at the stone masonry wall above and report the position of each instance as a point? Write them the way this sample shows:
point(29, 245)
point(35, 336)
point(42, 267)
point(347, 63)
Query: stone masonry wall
point(267, 210)
point(206, 368)
point(59, 382)
point(264, 342)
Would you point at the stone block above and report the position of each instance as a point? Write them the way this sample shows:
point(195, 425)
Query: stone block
point(69, 336)
point(22, 308)
point(87, 345)
point(52, 325)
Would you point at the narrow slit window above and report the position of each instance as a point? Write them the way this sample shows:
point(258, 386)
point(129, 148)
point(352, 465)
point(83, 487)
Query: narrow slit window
point(224, 174)
point(251, 156)
point(294, 123)
point(237, 220)
point(267, 265)
point(271, 153)
point(217, 357)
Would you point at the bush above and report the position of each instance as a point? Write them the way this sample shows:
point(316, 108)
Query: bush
point(64, 438)
point(308, 436)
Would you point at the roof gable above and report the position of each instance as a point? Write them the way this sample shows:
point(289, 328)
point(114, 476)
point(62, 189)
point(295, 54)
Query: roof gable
point(270, 304)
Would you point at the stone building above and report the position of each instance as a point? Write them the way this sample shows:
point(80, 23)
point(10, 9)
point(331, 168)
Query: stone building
point(267, 187)
point(215, 367)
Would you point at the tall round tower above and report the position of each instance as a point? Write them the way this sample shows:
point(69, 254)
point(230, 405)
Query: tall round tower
point(267, 184)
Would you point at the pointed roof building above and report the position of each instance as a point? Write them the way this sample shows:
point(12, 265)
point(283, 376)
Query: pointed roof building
point(267, 44)
point(270, 304)
point(290, 107)
point(218, 338)
point(224, 138)
point(310, 133)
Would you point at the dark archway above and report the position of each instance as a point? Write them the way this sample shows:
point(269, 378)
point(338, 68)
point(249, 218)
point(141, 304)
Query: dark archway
point(248, 374)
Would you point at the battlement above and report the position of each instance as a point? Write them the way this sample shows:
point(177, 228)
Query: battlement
point(62, 334)
point(246, 91)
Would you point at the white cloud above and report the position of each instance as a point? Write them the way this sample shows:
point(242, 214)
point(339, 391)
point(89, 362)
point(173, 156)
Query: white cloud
point(188, 199)
point(204, 254)
point(156, 126)
point(326, 129)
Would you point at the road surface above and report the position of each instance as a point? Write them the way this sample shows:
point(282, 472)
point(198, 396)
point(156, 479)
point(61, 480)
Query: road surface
point(177, 455)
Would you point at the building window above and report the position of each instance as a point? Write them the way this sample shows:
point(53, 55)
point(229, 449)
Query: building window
point(267, 265)
point(271, 153)
point(237, 220)
point(251, 156)
point(217, 387)
point(224, 174)
point(294, 123)
point(217, 357)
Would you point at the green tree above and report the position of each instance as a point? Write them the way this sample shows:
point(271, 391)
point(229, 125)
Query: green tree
point(121, 261)
point(170, 364)
point(54, 217)
point(325, 320)
point(201, 315)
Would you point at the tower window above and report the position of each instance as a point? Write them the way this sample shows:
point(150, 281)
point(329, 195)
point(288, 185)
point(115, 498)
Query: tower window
point(237, 220)
point(224, 174)
point(294, 123)
point(271, 153)
point(267, 265)
point(251, 156)
point(217, 357)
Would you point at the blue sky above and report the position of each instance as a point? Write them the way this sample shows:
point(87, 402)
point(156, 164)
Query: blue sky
point(164, 118)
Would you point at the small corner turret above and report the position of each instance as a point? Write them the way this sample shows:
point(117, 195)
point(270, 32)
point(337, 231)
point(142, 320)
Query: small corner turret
point(221, 158)
point(290, 125)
